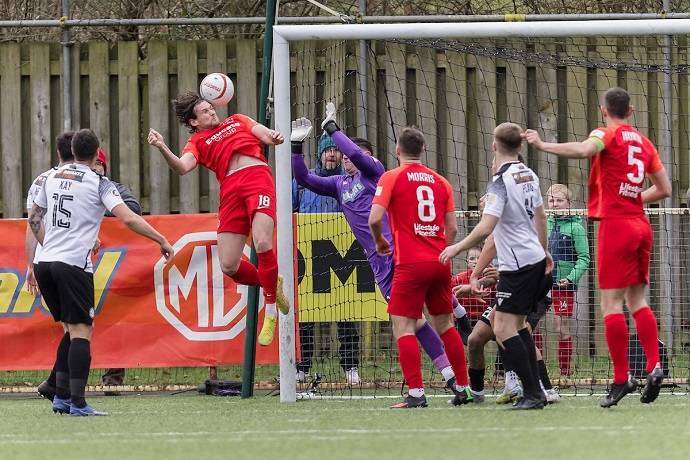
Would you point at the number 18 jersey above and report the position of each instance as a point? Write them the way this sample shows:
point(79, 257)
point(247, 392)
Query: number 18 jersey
point(618, 170)
point(417, 200)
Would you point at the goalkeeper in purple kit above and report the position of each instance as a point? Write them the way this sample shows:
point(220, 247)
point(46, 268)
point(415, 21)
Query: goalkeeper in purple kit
point(355, 191)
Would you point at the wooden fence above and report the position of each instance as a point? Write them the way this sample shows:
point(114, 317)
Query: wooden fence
point(122, 89)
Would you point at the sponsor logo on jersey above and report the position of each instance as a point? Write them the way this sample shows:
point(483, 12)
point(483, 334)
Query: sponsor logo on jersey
point(421, 177)
point(597, 133)
point(351, 195)
point(629, 191)
point(70, 174)
point(426, 230)
point(379, 190)
point(521, 177)
point(40, 180)
point(194, 296)
point(228, 130)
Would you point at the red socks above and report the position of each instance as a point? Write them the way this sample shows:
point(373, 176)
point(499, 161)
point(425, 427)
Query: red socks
point(246, 274)
point(647, 331)
point(616, 329)
point(411, 361)
point(456, 355)
point(565, 352)
point(268, 274)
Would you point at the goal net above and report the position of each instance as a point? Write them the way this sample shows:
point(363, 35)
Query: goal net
point(456, 90)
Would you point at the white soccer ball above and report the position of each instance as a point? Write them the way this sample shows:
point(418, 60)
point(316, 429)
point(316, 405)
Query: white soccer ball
point(217, 88)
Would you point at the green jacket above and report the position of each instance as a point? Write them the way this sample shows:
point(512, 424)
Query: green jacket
point(569, 247)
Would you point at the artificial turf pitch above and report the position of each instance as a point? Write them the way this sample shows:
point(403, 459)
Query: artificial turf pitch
point(205, 427)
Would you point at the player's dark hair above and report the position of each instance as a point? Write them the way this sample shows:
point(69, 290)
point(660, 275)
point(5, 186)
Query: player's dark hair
point(363, 144)
point(64, 146)
point(184, 107)
point(508, 136)
point(411, 141)
point(617, 102)
point(85, 145)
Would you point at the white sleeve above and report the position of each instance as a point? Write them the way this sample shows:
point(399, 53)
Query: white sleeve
point(30, 197)
point(109, 194)
point(539, 201)
point(40, 198)
point(496, 197)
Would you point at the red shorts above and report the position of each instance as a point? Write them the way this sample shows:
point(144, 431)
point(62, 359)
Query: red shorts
point(417, 284)
point(243, 193)
point(624, 249)
point(563, 302)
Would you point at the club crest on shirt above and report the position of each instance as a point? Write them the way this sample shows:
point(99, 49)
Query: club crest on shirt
point(70, 174)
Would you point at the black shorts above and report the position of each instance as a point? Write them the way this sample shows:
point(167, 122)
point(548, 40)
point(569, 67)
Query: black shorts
point(67, 290)
point(519, 292)
point(542, 307)
point(532, 319)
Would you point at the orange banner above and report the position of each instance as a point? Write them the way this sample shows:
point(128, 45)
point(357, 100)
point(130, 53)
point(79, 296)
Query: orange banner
point(147, 314)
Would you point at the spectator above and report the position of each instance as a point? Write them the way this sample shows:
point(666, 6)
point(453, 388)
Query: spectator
point(474, 305)
point(115, 376)
point(305, 201)
point(570, 251)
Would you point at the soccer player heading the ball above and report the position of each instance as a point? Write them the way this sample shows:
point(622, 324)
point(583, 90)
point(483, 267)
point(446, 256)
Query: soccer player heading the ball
point(233, 149)
point(514, 212)
point(621, 158)
point(421, 214)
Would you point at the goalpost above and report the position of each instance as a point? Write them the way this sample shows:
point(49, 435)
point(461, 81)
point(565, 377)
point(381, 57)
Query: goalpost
point(572, 62)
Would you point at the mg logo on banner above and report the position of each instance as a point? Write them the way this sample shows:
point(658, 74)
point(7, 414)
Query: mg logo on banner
point(194, 295)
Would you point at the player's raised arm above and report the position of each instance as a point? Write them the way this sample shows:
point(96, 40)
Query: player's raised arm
point(577, 150)
point(301, 128)
point(267, 135)
point(182, 164)
point(366, 164)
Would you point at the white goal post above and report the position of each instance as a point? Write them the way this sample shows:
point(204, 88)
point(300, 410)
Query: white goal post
point(284, 34)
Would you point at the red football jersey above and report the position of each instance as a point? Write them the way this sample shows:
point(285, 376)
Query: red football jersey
point(473, 305)
point(417, 199)
point(617, 173)
point(213, 148)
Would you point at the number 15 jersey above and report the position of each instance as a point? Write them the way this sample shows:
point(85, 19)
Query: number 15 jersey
point(75, 199)
point(417, 200)
point(618, 170)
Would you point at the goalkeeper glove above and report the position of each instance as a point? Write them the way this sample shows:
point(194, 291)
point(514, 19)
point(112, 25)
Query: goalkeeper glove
point(328, 124)
point(301, 128)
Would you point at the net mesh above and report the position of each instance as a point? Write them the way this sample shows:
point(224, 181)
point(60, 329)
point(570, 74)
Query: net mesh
point(457, 92)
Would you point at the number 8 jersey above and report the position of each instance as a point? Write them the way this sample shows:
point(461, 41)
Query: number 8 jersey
point(617, 173)
point(417, 200)
point(75, 199)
